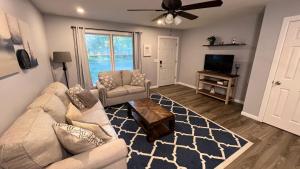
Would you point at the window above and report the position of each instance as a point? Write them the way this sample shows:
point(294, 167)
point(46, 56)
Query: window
point(109, 51)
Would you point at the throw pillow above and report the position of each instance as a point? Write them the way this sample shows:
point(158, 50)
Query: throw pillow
point(87, 98)
point(95, 128)
point(107, 81)
point(138, 79)
point(73, 114)
point(74, 98)
point(75, 139)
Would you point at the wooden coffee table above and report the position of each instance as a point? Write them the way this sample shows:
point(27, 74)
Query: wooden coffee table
point(154, 119)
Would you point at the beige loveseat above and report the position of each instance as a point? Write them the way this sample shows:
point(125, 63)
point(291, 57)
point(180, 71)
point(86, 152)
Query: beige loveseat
point(124, 91)
point(31, 142)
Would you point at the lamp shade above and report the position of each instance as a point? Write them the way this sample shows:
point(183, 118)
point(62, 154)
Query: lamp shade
point(60, 57)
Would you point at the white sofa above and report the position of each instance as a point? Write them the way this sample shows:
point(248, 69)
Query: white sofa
point(31, 142)
point(124, 92)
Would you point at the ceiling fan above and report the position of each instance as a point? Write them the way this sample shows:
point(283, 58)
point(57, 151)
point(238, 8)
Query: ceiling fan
point(174, 8)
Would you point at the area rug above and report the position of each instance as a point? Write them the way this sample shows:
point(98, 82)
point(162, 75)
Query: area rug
point(197, 143)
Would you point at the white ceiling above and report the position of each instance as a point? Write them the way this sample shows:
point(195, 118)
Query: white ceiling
point(116, 10)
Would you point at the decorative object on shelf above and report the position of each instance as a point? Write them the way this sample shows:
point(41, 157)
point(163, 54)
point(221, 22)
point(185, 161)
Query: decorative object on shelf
point(237, 67)
point(63, 57)
point(225, 44)
point(212, 90)
point(147, 51)
point(211, 40)
point(234, 41)
point(23, 59)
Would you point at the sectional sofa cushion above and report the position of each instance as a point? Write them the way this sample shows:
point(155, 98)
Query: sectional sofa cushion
point(73, 114)
point(72, 93)
point(116, 75)
point(75, 139)
point(52, 105)
point(59, 90)
point(30, 142)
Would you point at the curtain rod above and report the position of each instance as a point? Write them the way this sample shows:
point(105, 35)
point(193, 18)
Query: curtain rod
point(105, 30)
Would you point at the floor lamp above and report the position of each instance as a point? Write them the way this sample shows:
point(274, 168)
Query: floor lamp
point(62, 57)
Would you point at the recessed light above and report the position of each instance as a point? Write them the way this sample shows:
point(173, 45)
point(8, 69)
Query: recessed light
point(80, 10)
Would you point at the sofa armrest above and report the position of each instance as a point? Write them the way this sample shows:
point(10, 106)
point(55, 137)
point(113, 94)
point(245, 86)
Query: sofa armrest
point(147, 86)
point(99, 157)
point(102, 92)
point(95, 92)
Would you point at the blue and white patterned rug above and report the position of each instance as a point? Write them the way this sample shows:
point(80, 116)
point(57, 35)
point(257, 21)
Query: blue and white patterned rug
point(197, 143)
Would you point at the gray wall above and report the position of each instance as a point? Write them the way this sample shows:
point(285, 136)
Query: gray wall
point(276, 10)
point(245, 28)
point(19, 90)
point(59, 36)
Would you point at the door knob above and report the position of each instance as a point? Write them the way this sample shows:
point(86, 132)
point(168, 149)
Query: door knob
point(276, 83)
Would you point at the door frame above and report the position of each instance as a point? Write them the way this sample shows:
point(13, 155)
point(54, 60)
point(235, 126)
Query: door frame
point(275, 63)
point(176, 59)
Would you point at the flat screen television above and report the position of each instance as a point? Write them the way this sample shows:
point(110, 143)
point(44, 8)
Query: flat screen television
point(219, 63)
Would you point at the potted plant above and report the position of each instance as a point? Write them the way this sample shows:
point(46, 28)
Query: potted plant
point(211, 40)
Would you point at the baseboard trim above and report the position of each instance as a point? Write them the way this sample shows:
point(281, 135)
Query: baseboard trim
point(251, 116)
point(153, 87)
point(238, 101)
point(187, 85)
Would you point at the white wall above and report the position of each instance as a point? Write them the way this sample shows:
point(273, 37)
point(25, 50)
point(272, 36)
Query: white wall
point(17, 91)
point(244, 28)
point(276, 10)
point(60, 38)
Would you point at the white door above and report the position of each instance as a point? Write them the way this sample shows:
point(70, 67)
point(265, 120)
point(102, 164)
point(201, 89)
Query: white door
point(283, 106)
point(167, 60)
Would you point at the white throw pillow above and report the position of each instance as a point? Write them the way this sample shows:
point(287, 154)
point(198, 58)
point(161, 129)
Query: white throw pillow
point(138, 79)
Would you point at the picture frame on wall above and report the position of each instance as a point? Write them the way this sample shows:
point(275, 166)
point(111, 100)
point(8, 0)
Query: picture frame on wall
point(147, 51)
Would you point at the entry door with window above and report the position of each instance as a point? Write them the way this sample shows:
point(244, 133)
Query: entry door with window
point(109, 51)
point(283, 107)
point(168, 50)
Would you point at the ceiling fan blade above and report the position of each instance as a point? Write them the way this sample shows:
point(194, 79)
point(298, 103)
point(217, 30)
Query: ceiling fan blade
point(160, 16)
point(187, 15)
point(209, 4)
point(145, 10)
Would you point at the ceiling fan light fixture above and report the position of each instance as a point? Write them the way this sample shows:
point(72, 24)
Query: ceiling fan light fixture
point(169, 19)
point(177, 20)
point(160, 22)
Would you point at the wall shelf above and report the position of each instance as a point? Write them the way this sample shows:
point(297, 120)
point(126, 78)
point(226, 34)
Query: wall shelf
point(226, 44)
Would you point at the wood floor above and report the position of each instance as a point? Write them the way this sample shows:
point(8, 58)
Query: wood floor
point(273, 148)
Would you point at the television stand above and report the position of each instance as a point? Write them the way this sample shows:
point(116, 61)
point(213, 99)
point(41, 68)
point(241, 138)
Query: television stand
point(209, 79)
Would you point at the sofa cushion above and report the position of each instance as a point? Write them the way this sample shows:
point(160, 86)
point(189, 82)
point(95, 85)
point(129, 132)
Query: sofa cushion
point(97, 116)
point(134, 89)
point(110, 130)
point(73, 114)
point(72, 93)
point(52, 105)
point(127, 75)
point(119, 91)
point(59, 90)
point(30, 142)
point(75, 139)
point(116, 75)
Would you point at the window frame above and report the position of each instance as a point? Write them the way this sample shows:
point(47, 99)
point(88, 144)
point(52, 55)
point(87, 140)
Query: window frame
point(111, 34)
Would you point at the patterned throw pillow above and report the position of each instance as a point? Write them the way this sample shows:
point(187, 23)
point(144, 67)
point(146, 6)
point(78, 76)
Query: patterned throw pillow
point(107, 81)
point(73, 114)
point(75, 139)
point(138, 79)
point(95, 128)
point(72, 93)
